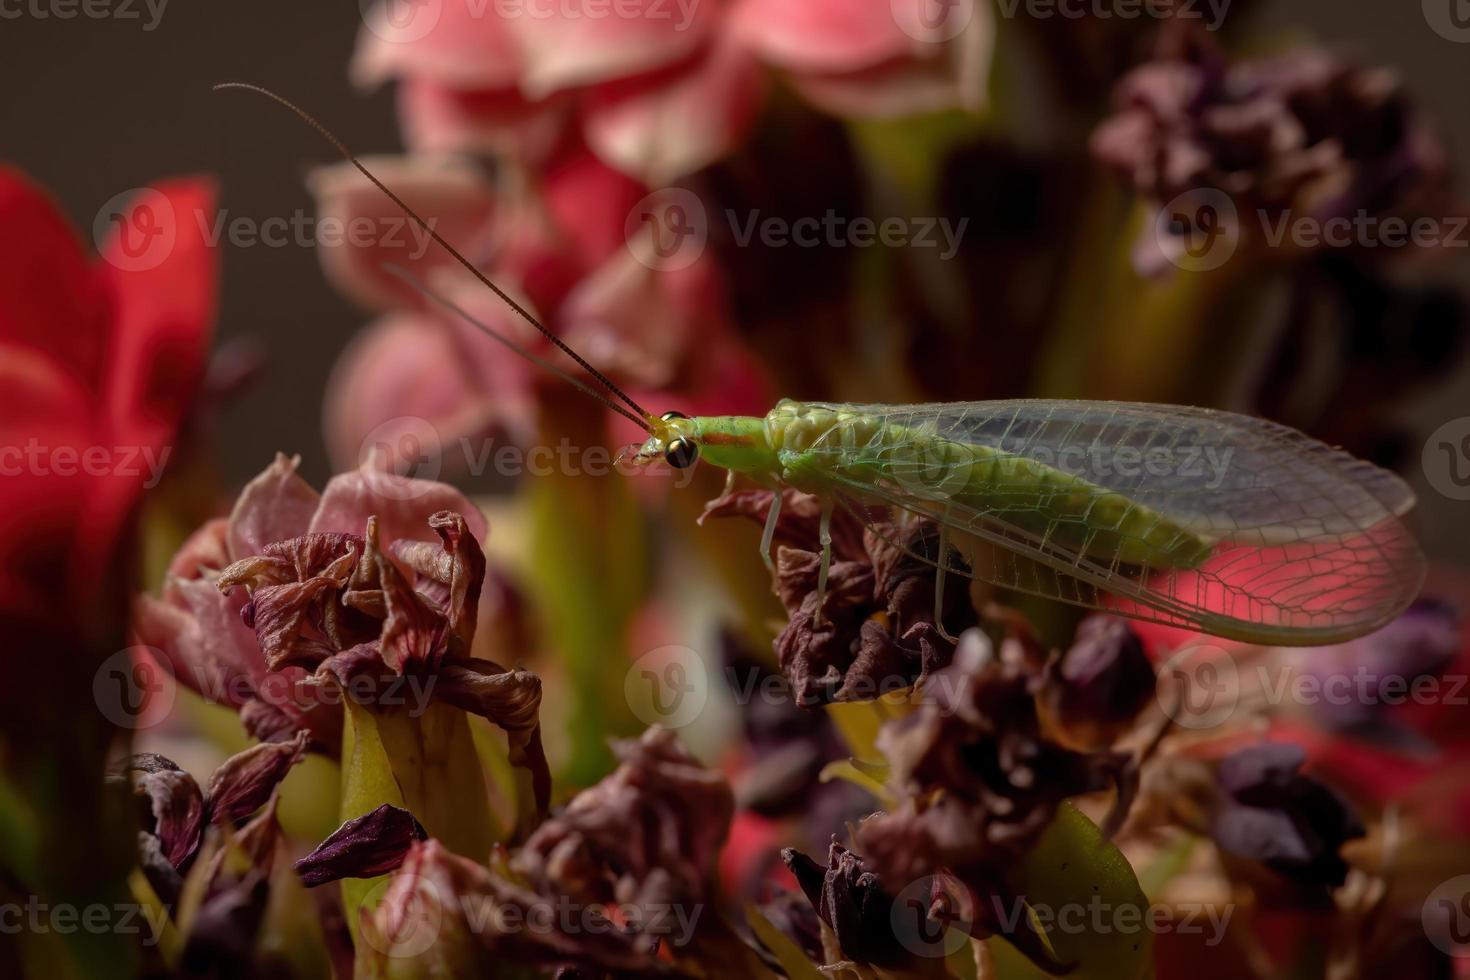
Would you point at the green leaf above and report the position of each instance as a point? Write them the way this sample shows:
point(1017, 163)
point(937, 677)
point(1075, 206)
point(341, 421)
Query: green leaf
point(865, 775)
point(1072, 881)
point(793, 961)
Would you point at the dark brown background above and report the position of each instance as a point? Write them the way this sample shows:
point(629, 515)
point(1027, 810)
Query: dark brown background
point(94, 107)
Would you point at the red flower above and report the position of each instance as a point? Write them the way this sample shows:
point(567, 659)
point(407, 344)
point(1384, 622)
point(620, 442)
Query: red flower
point(98, 360)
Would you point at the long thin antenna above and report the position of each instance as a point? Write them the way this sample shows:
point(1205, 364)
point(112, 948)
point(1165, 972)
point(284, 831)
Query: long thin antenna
point(490, 332)
point(644, 419)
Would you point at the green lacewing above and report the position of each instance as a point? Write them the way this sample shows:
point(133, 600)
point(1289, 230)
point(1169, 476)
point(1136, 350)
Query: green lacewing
point(1202, 519)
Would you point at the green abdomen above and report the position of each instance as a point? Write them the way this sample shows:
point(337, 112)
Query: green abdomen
point(1055, 506)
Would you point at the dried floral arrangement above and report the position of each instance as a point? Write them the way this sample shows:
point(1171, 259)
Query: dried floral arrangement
point(499, 701)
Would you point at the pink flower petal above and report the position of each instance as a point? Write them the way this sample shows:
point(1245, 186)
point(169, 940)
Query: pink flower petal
point(588, 202)
point(822, 35)
point(562, 51)
point(637, 322)
point(452, 195)
point(867, 59)
point(458, 43)
point(402, 506)
point(403, 385)
point(274, 506)
point(222, 638)
point(662, 128)
point(207, 549)
point(495, 122)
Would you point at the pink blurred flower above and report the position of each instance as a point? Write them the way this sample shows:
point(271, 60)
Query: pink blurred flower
point(660, 88)
point(421, 377)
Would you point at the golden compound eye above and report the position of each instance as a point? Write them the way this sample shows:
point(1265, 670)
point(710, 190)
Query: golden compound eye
point(670, 416)
point(681, 454)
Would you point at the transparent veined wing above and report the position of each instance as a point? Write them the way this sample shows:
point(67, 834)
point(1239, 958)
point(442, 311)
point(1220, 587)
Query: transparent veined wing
point(1198, 518)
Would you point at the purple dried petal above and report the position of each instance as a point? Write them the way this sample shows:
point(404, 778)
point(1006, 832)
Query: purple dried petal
point(415, 633)
point(511, 699)
point(162, 876)
point(683, 812)
point(223, 932)
point(457, 568)
point(310, 555)
point(1262, 772)
point(850, 899)
point(990, 780)
point(245, 781)
point(1093, 692)
point(1272, 813)
point(175, 804)
point(364, 847)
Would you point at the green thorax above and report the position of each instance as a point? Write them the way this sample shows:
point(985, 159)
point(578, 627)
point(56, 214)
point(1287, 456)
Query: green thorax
point(735, 442)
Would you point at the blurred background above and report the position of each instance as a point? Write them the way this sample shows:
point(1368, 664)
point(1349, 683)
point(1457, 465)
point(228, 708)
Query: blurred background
point(111, 106)
point(1094, 206)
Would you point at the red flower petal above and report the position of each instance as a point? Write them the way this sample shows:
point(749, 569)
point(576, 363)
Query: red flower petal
point(164, 310)
point(49, 299)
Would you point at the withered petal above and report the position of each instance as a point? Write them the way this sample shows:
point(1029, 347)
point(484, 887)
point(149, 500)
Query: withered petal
point(176, 805)
point(414, 634)
point(276, 505)
point(363, 847)
point(511, 699)
point(457, 566)
point(245, 781)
